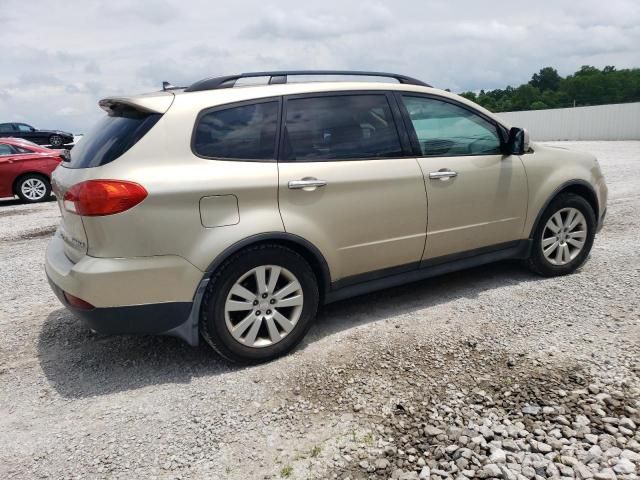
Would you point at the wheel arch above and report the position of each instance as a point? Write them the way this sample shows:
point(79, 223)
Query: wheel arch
point(296, 243)
point(578, 187)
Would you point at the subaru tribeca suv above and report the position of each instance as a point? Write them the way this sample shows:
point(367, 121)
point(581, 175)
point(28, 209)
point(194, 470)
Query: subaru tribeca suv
point(231, 212)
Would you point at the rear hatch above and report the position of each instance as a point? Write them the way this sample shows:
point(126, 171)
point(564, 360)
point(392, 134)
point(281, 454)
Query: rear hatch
point(128, 119)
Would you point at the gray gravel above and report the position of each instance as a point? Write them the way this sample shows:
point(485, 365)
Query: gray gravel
point(491, 372)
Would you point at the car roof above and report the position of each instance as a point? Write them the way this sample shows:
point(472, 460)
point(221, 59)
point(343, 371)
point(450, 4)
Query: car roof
point(161, 101)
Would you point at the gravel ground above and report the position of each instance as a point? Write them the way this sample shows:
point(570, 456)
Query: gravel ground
point(490, 372)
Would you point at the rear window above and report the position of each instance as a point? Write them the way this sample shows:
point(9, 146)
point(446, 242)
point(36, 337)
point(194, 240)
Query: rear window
point(245, 132)
point(111, 137)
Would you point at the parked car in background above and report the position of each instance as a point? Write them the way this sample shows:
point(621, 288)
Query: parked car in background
point(25, 169)
point(55, 138)
point(233, 213)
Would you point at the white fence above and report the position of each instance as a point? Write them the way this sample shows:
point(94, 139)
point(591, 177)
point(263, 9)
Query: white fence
point(603, 122)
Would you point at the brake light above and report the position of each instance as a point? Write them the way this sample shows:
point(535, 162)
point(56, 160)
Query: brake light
point(103, 197)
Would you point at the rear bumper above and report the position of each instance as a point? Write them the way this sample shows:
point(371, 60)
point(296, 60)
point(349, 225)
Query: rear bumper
point(116, 282)
point(149, 319)
point(147, 295)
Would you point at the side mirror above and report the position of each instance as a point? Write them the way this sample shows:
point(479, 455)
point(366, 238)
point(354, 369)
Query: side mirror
point(518, 141)
point(32, 129)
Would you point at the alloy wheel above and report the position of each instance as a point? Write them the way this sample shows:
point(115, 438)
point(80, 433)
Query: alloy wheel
point(56, 140)
point(263, 306)
point(33, 189)
point(564, 236)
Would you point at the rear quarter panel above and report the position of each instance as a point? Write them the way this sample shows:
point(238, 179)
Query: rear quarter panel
point(168, 221)
point(549, 168)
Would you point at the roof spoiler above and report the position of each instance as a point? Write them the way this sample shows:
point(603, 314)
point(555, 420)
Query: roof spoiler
point(158, 102)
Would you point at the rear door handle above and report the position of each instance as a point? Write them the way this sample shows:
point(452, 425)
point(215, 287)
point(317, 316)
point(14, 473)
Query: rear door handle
point(306, 183)
point(443, 174)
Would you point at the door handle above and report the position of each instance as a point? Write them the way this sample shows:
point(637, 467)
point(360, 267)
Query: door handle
point(443, 174)
point(306, 183)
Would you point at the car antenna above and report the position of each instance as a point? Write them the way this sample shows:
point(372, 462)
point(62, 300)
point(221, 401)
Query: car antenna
point(167, 86)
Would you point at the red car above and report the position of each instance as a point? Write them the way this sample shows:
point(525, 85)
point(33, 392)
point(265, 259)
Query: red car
point(25, 169)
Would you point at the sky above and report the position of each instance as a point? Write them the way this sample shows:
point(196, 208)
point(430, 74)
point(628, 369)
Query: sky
point(59, 57)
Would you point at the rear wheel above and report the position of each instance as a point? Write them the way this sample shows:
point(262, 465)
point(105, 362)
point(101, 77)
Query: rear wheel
point(259, 304)
point(33, 188)
point(564, 236)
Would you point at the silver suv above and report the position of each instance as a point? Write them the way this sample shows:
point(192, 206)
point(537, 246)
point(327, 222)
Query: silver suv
point(231, 210)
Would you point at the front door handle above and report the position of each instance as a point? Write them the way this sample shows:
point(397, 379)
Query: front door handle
point(443, 174)
point(306, 183)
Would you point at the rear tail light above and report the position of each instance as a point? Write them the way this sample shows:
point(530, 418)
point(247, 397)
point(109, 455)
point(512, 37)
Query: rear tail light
point(78, 302)
point(103, 197)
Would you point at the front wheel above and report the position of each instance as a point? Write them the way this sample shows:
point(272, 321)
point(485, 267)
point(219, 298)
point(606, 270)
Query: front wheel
point(564, 236)
point(259, 304)
point(33, 188)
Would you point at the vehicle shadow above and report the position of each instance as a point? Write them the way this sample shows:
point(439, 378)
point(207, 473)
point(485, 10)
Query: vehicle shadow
point(79, 363)
point(388, 303)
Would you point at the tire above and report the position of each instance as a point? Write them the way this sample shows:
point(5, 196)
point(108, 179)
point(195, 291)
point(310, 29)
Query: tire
point(33, 188)
point(566, 239)
point(56, 141)
point(218, 317)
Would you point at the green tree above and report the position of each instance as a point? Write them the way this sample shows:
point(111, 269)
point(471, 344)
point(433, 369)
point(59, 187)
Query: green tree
point(538, 105)
point(547, 89)
point(469, 96)
point(546, 79)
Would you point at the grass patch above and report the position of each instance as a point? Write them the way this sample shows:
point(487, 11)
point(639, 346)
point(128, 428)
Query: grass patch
point(286, 471)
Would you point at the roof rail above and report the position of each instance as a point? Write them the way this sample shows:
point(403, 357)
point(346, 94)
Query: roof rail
point(280, 77)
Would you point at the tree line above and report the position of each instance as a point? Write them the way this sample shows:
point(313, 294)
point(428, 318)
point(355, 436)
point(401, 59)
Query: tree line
point(547, 89)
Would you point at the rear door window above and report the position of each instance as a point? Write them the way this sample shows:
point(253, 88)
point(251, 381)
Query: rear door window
point(111, 137)
point(244, 132)
point(340, 127)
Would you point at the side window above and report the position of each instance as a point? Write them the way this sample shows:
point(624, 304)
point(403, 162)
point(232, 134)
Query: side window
point(246, 132)
point(23, 128)
point(6, 128)
point(340, 127)
point(6, 149)
point(445, 129)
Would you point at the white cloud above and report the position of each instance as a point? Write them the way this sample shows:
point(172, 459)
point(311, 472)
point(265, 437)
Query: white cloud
point(57, 66)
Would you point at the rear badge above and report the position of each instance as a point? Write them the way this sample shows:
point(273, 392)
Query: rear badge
point(73, 242)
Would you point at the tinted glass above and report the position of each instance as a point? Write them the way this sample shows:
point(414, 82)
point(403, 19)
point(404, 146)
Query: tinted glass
point(340, 127)
point(6, 127)
point(110, 138)
point(23, 128)
point(445, 129)
point(5, 149)
point(247, 132)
